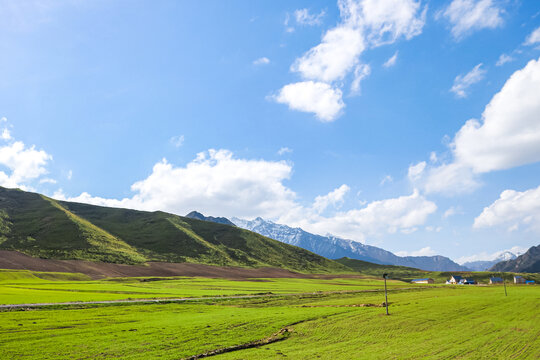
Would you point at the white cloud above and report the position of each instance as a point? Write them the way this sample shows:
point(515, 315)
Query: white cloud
point(513, 210)
point(427, 251)
point(315, 97)
point(364, 23)
point(485, 256)
point(386, 179)
point(217, 183)
point(503, 59)
point(451, 212)
point(433, 157)
point(284, 150)
point(304, 17)
point(450, 179)
point(3, 119)
point(360, 73)
point(377, 218)
point(25, 164)
point(463, 82)
point(177, 141)
point(534, 37)
point(47, 181)
point(334, 198)
point(415, 171)
point(261, 61)
point(6, 135)
point(391, 61)
point(467, 16)
point(70, 174)
point(334, 57)
point(508, 136)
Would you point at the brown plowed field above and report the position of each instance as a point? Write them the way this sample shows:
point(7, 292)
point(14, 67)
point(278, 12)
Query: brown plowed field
point(96, 270)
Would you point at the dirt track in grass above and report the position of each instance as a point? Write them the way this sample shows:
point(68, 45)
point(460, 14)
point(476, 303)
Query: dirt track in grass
point(97, 270)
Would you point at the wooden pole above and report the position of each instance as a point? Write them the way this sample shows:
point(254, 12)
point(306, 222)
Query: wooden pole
point(504, 282)
point(385, 294)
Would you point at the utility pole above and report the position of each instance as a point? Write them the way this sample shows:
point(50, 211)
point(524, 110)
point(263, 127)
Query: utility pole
point(385, 293)
point(504, 282)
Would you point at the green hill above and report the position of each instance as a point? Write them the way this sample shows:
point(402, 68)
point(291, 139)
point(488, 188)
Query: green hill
point(43, 227)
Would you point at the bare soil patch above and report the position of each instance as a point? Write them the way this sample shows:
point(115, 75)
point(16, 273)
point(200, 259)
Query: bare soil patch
point(97, 270)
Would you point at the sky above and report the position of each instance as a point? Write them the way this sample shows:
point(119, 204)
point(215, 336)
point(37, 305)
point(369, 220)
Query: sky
point(409, 125)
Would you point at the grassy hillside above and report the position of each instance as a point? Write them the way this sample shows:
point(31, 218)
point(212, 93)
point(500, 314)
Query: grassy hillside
point(40, 226)
point(407, 274)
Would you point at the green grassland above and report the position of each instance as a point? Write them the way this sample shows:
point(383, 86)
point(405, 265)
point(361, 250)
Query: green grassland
point(338, 318)
point(43, 227)
point(21, 286)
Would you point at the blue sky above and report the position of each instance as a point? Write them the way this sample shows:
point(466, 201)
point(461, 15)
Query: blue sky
point(348, 117)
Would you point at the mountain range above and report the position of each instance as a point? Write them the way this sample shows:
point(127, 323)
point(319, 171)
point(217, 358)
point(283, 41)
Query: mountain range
point(529, 262)
point(42, 227)
point(484, 265)
point(333, 247)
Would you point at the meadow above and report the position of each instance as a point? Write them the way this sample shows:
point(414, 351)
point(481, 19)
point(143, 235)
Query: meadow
point(339, 318)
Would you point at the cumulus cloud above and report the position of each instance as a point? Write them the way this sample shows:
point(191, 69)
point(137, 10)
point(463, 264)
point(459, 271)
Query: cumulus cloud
point(503, 59)
point(534, 37)
point(467, 16)
point(214, 182)
point(391, 61)
point(427, 251)
point(24, 163)
point(217, 183)
point(304, 17)
point(508, 135)
point(402, 214)
point(463, 82)
point(261, 61)
point(318, 98)
point(20, 165)
point(333, 198)
point(513, 210)
point(364, 24)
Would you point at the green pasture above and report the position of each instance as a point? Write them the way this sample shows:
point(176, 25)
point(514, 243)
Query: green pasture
point(23, 287)
point(428, 322)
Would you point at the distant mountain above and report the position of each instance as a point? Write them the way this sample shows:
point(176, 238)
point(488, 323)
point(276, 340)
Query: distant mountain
point(42, 227)
point(333, 247)
point(527, 263)
point(219, 220)
point(484, 265)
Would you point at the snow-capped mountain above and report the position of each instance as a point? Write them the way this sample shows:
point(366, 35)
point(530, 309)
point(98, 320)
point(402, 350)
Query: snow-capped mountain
point(484, 265)
point(333, 247)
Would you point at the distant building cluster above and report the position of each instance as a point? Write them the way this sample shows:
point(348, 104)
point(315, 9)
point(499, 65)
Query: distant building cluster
point(459, 280)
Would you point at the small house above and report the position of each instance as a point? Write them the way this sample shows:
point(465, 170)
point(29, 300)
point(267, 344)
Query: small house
point(519, 279)
point(455, 279)
point(495, 280)
point(529, 282)
point(423, 281)
point(467, 281)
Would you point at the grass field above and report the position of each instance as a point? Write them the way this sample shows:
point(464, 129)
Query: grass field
point(437, 322)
